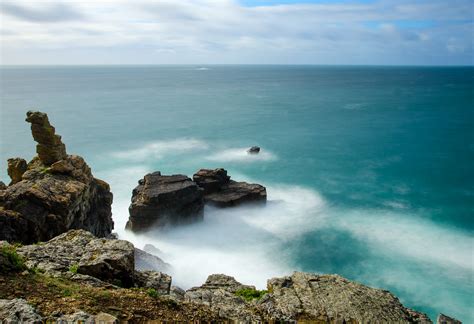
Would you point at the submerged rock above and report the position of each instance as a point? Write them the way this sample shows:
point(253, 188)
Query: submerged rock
point(160, 200)
point(253, 150)
point(57, 192)
point(220, 191)
point(16, 168)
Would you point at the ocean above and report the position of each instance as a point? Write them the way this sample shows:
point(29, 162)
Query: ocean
point(369, 170)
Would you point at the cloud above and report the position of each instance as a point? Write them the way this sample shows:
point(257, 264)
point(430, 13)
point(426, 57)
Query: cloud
point(205, 31)
point(52, 13)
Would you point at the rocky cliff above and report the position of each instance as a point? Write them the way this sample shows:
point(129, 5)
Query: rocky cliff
point(78, 276)
point(52, 193)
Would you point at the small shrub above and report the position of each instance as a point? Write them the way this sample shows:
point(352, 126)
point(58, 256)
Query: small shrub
point(67, 292)
point(250, 294)
point(73, 268)
point(152, 293)
point(13, 261)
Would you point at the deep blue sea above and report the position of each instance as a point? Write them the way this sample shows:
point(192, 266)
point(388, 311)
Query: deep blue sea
point(369, 170)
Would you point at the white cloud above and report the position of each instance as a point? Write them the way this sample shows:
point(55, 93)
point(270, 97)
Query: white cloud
point(205, 31)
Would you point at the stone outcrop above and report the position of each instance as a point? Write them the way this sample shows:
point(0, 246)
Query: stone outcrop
point(220, 191)
point(50, 148)
point(332, 298)
point(161, 200)
point(304, 297)
point(16, 168)
point(219, 293)
point(79, 255)
point(253, 150)
point(57, 192)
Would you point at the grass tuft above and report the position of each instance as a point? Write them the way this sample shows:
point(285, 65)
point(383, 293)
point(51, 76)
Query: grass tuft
point(250, 294)
point(14, 262)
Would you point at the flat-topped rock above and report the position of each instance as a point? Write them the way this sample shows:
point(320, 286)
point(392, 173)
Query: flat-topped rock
point(160, 200)
point(220, 191)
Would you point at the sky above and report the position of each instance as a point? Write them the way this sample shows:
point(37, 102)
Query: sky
point(367, 32)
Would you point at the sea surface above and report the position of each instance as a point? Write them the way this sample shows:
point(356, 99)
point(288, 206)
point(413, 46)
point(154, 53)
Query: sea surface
point(369, 170)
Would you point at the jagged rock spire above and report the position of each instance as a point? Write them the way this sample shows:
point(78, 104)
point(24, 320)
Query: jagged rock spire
point(50, 148)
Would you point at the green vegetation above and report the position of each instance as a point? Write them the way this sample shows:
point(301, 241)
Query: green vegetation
point(12, 261)
point(250, 294)
point(73, 268)
point(152, 293)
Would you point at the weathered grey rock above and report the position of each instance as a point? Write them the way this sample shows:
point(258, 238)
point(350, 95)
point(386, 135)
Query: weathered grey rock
point(220, 191)
point(218, 292)
point(177, 293)
point(84, 318)
point(161, 200)
point(50, 148)
point(331, 298)
point(146, 261)
point(150, 248)
point(18, 311)
point(444, 319)
point(253, 150)
point(80, 251)
point(52, 198)
point(161, 282)
point(16, 168)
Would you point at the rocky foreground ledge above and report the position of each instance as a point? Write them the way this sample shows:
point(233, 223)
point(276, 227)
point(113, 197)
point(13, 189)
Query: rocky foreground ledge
point(76, 276)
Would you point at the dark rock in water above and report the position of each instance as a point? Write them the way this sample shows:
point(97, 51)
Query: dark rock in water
point(53, 195)
point(50, 148)
point(237, 193)
point(253, 150)
point(16, 168)
point(220, 191)
point(160, 200)
point(211, 180)
point(444, 319)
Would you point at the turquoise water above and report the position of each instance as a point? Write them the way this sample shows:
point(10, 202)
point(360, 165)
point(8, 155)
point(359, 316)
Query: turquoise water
point(368, 169)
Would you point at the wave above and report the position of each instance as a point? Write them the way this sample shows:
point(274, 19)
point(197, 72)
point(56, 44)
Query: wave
point(159, 149)
point(240, 155)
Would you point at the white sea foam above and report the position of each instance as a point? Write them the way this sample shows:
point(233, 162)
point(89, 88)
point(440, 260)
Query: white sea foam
point(240, 154)
point(158, 149)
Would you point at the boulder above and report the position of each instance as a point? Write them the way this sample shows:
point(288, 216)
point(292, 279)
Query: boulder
point(16, 168)
point(3, 186)
point(220, 191)
point(331, 298)
point(18, 311)
point(159, 281)
point(53, 194)
point(78, 251)
point(253, 150)
point(159, 200)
